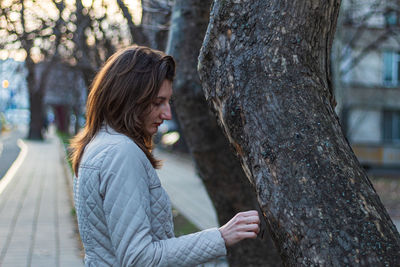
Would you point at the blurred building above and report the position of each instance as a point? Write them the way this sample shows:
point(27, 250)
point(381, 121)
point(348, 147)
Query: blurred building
point(65, 96)
point(64, 100)
point(366, 67)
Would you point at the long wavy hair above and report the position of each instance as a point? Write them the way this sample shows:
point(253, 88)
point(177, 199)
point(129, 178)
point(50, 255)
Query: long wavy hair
point(121, 94)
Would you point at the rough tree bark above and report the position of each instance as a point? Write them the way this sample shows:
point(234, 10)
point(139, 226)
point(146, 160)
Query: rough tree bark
point(217, 165)
point(264, 66)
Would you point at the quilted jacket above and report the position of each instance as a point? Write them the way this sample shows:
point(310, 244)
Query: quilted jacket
point(124, 215)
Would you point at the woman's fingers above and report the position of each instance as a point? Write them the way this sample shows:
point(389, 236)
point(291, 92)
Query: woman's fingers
point(250, 227)
point(243, 225)
point(244, 235)
point(248, 213)
point(252, 219)
point(247, 218)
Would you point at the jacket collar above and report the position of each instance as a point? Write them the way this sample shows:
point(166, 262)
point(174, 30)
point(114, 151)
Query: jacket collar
point(108, 129)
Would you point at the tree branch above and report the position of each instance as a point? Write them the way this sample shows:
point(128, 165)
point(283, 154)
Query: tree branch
point(136, 31)
point(373, 45)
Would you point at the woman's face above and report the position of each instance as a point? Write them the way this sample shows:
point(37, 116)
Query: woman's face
point(160, 109)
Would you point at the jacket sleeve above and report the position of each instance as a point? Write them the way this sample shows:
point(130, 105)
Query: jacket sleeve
point(126, 204)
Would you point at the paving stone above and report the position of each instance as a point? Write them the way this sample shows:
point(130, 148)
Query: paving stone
point(36, 225)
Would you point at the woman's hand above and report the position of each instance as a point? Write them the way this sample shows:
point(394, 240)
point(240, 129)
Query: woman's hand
point(243, 225)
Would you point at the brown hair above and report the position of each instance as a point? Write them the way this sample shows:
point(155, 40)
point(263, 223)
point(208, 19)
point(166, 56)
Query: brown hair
point(120, 94)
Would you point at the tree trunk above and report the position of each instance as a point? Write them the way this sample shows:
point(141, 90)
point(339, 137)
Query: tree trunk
point(36, 109)
point(264, 66)
point(35, 103)
point(156, 15)
point(37, 83)
point(218, 167)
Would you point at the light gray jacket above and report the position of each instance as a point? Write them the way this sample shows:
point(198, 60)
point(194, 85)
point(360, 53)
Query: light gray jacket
point(124, 214)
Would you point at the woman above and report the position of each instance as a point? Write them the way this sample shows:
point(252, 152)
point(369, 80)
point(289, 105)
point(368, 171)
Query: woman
point(124, 215)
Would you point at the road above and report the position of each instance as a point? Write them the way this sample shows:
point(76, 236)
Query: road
point(9, 149)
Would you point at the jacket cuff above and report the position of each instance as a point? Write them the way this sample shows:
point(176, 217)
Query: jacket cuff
point(220, 247)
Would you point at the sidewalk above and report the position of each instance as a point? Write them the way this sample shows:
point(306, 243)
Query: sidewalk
point(186, 190)
point(36, 226)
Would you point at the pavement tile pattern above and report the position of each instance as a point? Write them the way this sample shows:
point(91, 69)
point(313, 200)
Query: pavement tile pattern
point(37, 227)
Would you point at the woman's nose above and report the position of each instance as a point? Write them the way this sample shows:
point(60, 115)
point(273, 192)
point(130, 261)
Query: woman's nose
point(166, 113)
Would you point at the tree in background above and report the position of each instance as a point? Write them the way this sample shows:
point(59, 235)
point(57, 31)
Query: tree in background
point(265, 67)
point(54, 31)
point(216, 163)
point(156, 15)
point(153, 28)
point(97, 31)
point(35, 34)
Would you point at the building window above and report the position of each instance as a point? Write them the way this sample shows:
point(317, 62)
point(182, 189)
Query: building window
point(391, 18)
point(391, 68)
point(391, 126)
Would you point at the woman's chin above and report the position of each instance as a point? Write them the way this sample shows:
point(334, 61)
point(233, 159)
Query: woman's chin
point(152, 131)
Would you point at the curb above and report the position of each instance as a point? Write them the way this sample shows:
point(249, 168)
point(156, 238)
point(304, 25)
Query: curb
point(14, 166)
point(68, 177)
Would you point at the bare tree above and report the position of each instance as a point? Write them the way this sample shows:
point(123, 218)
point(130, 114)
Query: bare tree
point(30, 31)
point(60, 31)
point(95, 36)
point(264, 66)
